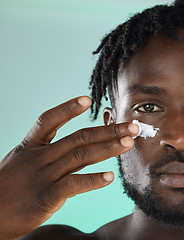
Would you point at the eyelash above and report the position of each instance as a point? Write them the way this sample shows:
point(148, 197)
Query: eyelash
point(158, 109)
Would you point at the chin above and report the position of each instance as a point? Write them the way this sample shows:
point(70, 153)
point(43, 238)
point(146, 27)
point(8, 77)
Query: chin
point(163, 206)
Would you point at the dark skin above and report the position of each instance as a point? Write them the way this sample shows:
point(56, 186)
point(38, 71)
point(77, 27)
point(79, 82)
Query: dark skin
point(36, 177)
point(160, 64)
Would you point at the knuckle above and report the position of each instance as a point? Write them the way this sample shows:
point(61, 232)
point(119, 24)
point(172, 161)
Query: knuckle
point(116, 130)
point(83, 136)
point(18, 149)
point(109, 145)
point(80, 154)
point(66, 182)
point(69, 184)
point(78, 182)
point(92, 180)
point(42, 200)
point(45, 201)
point(42, 119)
point(72, 185)
point(67, 109)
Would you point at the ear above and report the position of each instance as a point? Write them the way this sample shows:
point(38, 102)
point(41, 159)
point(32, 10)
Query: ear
point(108, 116)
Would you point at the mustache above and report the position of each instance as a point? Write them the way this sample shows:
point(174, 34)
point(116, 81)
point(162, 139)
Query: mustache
point(172, 157)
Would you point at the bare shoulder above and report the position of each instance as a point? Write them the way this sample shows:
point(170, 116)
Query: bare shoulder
point(58, 232)
point(113, 230)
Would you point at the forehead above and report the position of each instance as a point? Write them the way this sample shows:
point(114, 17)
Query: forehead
point(160, 61)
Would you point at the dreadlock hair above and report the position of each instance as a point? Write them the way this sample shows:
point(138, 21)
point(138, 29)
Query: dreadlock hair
point(123, 42)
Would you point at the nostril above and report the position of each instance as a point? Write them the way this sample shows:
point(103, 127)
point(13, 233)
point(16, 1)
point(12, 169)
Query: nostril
point(174, 141)
point(170, 146)
point(165, 144)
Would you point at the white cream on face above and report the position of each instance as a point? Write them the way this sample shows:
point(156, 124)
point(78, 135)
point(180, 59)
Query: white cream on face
point(145, 130)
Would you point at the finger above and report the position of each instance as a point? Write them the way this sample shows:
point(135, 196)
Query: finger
point(90, 135)
point(73, 184)
point(44, 129)
point(82, 156)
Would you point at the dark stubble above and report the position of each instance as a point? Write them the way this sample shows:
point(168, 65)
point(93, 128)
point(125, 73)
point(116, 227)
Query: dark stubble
point(150, 202)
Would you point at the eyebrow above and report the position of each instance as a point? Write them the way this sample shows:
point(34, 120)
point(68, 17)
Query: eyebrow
point(153, 90)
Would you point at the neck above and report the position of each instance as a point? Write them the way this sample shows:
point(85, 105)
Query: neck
point(144, 227)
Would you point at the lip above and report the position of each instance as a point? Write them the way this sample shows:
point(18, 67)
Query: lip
point(172, 175)
point(173, 180)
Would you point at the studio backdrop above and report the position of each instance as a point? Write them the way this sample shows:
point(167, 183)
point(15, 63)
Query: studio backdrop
point(45, 59)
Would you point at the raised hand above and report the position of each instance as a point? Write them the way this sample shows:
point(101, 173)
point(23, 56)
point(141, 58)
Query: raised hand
point(37, 176)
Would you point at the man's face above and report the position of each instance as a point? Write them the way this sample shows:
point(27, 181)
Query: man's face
point(151, 89)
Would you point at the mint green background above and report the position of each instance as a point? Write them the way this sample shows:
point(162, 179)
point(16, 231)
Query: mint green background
point(45, 59)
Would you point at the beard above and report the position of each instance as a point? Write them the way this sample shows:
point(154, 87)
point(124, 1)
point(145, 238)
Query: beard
point(149, 200)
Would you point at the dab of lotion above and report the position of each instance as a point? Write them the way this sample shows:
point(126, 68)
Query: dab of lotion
point(145, 130)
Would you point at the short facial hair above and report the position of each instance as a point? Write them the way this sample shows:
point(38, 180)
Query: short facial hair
point(149, 201)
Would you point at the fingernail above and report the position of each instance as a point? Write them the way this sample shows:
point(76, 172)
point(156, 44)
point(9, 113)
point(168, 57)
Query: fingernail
point(108, 176)
point(84, 101)
point(126, 141)
point(133, 128)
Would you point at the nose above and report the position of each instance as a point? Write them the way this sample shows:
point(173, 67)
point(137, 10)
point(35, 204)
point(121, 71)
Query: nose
point(173, 132)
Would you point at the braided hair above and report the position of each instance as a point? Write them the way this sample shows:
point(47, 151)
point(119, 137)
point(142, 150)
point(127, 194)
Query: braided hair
point(123, 42)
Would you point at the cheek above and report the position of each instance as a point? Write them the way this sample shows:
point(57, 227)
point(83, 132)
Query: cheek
point(136, 163)
point(148, 149)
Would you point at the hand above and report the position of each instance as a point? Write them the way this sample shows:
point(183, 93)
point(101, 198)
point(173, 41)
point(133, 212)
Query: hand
point(37, 176)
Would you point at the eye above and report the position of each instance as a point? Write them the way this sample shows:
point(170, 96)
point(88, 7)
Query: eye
point(149, 108)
